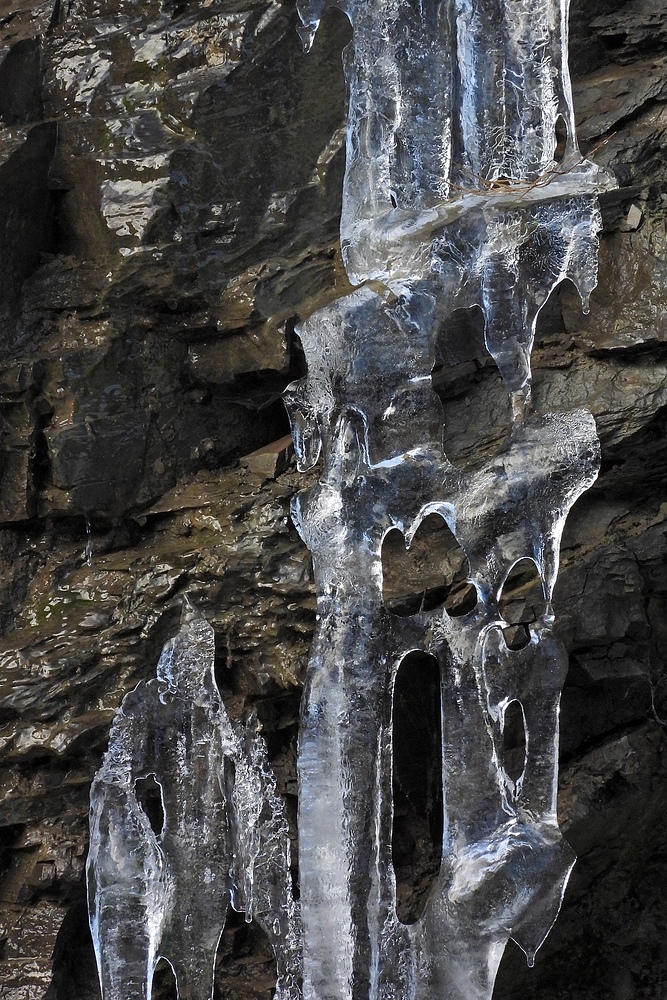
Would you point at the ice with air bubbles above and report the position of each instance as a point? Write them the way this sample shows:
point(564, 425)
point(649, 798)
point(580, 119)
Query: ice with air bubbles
point(464, 186)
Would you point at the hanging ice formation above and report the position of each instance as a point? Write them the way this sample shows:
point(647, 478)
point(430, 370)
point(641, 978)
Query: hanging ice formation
point(452, 198)
point(222, 834)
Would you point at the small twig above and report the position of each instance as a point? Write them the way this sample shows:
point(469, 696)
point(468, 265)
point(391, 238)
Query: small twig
point(484, 185)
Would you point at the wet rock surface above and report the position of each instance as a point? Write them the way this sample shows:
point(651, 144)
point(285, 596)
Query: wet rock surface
point(171, 177)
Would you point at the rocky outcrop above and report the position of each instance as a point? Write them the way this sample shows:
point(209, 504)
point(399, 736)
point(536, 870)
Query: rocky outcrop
point(160, 251)
point(169, 204)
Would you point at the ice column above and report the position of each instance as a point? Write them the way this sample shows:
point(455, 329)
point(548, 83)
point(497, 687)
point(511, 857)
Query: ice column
point(452, 198)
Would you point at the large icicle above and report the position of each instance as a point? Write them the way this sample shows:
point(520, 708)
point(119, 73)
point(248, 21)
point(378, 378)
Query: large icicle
point(452, 198)
point(504, 863)
point(453, 105)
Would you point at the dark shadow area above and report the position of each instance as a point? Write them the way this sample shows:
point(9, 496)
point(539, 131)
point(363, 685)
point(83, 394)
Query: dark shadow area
point(245, 966)
point(517, 636)
point(460, 342)
point(592, 711)
point(640, 458)
point(149, 796)
point(245, 963)
point(561, 139)
point(21, 83)
point(417, 782)
point(292, 99)
point(74, 966)
point(164, 982)
point(9, 835)
point(461, 599)
point(27, 214)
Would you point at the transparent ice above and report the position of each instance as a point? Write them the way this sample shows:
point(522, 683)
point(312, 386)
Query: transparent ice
point(452, 198)
point(223, 839)
point(504, 863)
point(457, 193)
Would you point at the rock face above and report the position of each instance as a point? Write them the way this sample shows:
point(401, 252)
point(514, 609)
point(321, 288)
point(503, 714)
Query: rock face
point(171, 177)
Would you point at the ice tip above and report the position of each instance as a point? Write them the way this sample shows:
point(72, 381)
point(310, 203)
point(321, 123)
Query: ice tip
point(585, 296)
point(307, 32)
point(310, 13)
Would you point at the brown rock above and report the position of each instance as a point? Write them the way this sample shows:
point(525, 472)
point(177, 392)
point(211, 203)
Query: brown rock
point(269, 461)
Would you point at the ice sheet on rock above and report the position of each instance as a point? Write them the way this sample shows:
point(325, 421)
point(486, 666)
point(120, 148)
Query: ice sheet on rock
point(504, 863)
point(452, 198)
point(165, 893)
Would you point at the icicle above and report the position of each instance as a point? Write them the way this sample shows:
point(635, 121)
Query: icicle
point(88, 551)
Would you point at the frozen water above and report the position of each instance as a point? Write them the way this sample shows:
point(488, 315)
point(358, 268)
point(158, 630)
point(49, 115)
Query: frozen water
point(453, 196)
point(224, 837)
point(453, 106)
point(456, 193)
point(368, 406)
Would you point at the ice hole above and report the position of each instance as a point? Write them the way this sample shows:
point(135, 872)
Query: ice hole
point(514, 741)
point(431, 574)
point(149, 796)
point(521, 602)
point(561, 139)
point(460, 341)
point(416, 838)
point(461, 599)
point(245, 965)
point(164, 982)
point(517, 636)
point(549, 330)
